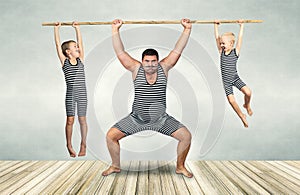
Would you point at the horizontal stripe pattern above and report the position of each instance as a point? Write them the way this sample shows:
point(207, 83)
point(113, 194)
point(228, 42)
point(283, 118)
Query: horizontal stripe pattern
point(76, 88)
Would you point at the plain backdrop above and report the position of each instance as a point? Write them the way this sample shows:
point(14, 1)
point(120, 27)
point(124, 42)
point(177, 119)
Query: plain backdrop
point(32, 85)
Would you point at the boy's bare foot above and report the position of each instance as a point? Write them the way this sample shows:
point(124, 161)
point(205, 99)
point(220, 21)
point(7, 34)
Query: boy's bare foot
point(111, 170)
point(71, 151)
point(249, 110)
point(243, 118)
point(184, 172)
point(82, 151)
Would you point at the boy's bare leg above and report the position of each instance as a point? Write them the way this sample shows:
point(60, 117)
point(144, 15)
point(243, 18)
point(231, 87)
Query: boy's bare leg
point(184, 137)
point(83, 131)
point(247, 92)
point(69, 130)
point(112, 139)
point(237, 109)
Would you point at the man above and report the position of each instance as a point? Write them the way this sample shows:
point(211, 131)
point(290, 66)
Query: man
point(149, 106)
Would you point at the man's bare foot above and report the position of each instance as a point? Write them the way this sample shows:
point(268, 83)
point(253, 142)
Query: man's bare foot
point(249, 110)
point(82, 151)
point(184, 172)
point(243, 118)
point(111, 170)
point(71, 151)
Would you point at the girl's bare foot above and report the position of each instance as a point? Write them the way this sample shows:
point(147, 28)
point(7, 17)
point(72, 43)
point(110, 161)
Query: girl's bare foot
point(249, 111)
point(82, 151)
point(111, 170)
point(243, 118)
point(184, 172)
point(71, 151)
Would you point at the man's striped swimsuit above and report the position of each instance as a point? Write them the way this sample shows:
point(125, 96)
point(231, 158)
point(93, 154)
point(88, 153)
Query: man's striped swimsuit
point(149, 107)
point(76, 88)
point(230, 76)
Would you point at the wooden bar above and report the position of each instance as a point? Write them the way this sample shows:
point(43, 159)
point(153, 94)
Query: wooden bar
point(152, 22)
point(150, 177)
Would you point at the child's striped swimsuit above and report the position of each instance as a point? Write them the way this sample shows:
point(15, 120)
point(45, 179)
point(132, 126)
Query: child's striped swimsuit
point(149, 107)
point(230, 76)
point(76, 88)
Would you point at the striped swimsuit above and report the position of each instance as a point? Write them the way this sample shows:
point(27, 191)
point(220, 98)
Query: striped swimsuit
point(149, 107)
point(76, 88)
point(230, 76)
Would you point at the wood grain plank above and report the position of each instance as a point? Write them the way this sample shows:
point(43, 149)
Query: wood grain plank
point(16, 173)
point(85, 177)
point(74, 178)
point(39, 178)
point(150, 177)
point(50, 179)
point(276, 174)
point(255, 177)
point(274, 183)
point(295, 164)
point(215, 182)
point(28, 174)
point(14, 170)
point(287, 174)
point(167, 186)
point(118, 184)
point(178, 180)
point(105, 183)
point(234, 178)
point(93, 182)
point(143, 181)
point(62, 178)
point(231, 188)
point(132, 178)
point(287, 169)
point(7, 165)
point(244, 178)
point(191, 183)
point(201, 178)
point(155, 186)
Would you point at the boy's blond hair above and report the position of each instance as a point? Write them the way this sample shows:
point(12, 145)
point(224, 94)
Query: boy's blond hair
point(229, 35)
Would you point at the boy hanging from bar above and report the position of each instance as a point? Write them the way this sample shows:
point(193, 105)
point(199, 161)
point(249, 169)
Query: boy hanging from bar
point(228, 59)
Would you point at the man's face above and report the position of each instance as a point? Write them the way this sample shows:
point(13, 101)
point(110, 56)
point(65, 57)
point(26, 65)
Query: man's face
point(150, 64)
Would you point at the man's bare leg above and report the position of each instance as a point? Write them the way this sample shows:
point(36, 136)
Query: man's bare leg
point(237, 109)
point(247, 92)
point(184, 137)
point(83, 131)
point(69, 130)
point(112, 139)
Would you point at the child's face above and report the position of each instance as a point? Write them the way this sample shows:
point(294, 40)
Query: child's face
point(226, 43)
point(73, 50)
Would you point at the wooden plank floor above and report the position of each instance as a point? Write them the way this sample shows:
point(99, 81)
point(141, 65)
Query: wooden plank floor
point(150, 177)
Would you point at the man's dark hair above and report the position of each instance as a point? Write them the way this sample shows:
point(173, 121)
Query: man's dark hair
point(150, 52)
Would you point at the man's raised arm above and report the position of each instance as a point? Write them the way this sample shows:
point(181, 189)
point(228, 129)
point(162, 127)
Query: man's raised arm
point(126, 60)
point(169, 61)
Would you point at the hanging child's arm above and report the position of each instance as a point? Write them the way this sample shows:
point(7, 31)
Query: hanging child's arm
point(217, 36)
point(79, 40)
point(60, 54)
point(240, 38)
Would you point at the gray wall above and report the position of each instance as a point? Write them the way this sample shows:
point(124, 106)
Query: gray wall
point(32, 86)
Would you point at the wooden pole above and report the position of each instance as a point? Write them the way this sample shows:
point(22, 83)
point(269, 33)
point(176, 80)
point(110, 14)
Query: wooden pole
point(152, 22)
